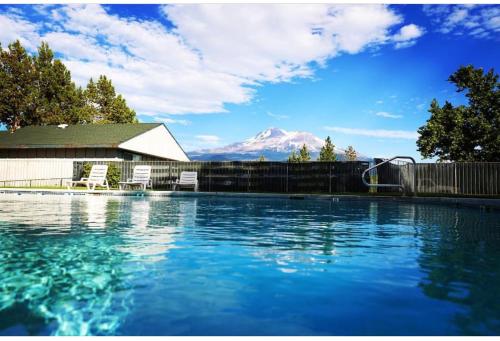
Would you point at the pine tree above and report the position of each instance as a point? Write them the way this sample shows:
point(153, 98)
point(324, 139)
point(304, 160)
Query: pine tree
point(104, 105)
point(57, 98)
point(262, 158)
point(293, 157)
point(38, 90)
point(120, 112)
point(351, 154)
point(327, 152)
point(304, 154)
point(17, 76)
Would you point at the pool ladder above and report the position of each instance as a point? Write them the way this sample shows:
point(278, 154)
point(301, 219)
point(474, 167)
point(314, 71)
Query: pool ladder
point(400, 186)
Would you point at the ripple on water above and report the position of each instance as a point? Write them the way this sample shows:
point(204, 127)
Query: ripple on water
point(97, 265)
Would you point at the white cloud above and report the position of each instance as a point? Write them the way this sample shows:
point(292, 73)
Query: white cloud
point(278, 42)
point(277, 116)
point(387, 115)
point(15, 27)
point(214, 55)
point(209, 139)
point(172, 121)
point(379, 102)
point(381, 133)
point(479, 21)
point(407, 35)
point(421, 106)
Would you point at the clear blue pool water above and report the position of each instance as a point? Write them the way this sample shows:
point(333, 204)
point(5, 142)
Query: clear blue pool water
point(227, 266)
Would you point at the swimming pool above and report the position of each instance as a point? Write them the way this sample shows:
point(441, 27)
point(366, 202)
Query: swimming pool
point(104, 265)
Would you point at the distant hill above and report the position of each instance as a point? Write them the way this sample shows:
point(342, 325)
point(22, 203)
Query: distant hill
point(274, 144)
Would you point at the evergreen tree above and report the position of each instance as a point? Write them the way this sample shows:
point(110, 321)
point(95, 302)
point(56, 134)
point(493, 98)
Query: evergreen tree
point(38, 90)
point(304, 154)
point(58, 99)
point(327, 152)
point(351, 154)
point(104, 106)
point(17, 76)
point(465, 132)
point(262, 158)
point(293, 157)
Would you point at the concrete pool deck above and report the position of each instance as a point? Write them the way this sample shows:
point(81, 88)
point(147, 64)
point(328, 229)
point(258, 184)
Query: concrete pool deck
point(484, 203)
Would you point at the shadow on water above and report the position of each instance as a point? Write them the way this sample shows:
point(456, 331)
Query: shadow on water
point(460, 255)
point(91, 265)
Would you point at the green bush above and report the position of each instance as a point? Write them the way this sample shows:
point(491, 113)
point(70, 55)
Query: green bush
point(113, 175)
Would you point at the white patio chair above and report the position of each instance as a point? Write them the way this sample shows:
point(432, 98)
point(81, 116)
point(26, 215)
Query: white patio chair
point(187, 179)
point(141, 177)
point(97, 177)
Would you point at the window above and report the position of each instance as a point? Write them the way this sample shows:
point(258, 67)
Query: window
point(127, 156)
point(131, 156)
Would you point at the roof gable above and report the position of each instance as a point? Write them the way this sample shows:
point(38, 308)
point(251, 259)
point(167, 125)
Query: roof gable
point(146, 143)
point(74, 136)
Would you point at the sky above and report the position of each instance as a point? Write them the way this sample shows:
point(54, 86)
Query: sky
point(216, 74)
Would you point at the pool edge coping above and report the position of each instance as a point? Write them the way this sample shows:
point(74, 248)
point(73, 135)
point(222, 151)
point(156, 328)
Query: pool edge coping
point(486, 203)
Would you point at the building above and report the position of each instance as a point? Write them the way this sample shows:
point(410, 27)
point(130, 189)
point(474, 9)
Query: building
point(130, 141)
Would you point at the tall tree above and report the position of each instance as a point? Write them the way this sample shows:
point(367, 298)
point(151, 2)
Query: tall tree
point(57, 98)
point(465, 132)
point(293, 157)
point(304, 154)
point(17, 76)
point(38, 90)
point(351, 154)
point(104, 106)
point(327, 152)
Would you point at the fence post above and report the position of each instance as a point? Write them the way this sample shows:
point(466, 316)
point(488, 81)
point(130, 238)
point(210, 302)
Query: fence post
point(330, 178)
point(170, 175)
point(414, 178)
point(248, 181)
point(287, 177)
point(455, 178)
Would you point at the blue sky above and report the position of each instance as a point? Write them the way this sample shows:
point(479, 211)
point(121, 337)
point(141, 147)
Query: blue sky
point(216, 74)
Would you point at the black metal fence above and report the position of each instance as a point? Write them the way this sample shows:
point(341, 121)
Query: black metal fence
point(459, 178)
point(276, 177)
point(468, 179)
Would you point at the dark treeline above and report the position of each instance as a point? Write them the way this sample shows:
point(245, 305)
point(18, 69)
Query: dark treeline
point(38, 90)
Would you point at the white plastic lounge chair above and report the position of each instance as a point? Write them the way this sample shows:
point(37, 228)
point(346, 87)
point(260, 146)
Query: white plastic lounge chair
point(187, 179)
point(97, 177)
point(141, 177)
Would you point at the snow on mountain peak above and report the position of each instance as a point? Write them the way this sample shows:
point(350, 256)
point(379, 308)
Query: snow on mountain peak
point(274, 144)
point(270, 133)
point(274, 139)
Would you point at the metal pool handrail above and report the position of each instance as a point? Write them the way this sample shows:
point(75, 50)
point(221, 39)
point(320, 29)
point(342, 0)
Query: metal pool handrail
point(391, 185)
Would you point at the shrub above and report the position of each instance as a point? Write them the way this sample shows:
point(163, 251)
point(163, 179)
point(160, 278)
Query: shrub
point(113, 175)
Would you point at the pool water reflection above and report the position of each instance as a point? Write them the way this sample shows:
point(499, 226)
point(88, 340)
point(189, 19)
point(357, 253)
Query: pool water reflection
point(99, 265)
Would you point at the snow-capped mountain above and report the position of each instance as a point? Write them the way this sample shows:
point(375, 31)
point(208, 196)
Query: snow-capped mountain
point(274, 144)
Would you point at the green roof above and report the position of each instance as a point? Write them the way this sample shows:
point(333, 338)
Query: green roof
point(73, 136)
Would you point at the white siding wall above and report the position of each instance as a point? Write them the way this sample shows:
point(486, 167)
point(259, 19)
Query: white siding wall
point(29, 169)
point(157, 142)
